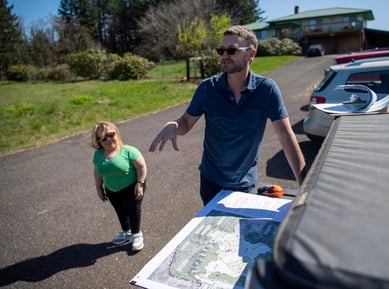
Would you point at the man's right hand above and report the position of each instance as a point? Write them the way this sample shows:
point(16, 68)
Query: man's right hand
point(169, 132)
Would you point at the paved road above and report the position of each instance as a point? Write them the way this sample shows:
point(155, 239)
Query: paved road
point(55, 232)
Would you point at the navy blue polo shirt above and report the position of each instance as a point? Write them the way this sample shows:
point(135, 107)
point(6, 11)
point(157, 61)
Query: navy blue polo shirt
point(234, 131)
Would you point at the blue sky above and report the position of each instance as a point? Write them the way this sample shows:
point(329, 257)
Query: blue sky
point(34, 10)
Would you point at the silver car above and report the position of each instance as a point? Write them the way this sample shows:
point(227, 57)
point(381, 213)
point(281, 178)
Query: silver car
point(372, 73)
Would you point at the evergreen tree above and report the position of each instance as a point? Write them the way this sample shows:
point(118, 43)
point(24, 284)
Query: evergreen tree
point(68, 9)
point(10, 37)
point(41, 48)
point(123, 25)
point(76, 26)
point(241, 11)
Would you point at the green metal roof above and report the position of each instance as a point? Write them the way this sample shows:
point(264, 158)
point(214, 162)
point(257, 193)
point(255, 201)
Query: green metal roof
point(257, 26)
point(367, 14)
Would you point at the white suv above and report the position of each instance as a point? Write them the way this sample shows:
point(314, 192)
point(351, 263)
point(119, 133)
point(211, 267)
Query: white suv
point(373, 73)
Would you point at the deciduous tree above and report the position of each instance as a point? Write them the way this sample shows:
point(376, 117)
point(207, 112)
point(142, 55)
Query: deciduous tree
point(159, 27)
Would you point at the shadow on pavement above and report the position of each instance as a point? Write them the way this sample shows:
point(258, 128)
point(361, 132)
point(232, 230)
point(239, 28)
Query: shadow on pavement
point(298, 127)
point(278, 167)
point(43, 267)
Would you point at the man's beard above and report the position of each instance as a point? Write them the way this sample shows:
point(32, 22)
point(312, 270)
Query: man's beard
point(231, 68)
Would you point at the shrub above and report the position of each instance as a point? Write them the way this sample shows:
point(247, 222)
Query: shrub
point(40, 74)
point(87, 64)
point(32, 73)
point(274, 46)
point(19, 72)
point(59, 73)
point(130, 66)
point(289, 47)
point(109, 63)
point(211, 64)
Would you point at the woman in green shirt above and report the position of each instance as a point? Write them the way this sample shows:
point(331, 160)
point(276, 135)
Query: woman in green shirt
point(120, 175)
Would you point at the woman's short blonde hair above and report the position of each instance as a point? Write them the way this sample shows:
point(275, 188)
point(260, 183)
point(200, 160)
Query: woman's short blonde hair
point(99, 131)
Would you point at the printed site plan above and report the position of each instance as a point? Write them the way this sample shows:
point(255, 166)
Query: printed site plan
point(217, 247)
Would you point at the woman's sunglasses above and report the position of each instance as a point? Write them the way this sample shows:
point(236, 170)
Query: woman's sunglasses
point(231, 50)
point(108, 135)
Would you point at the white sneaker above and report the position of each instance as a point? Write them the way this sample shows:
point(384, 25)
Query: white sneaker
point(137, 241)
point(122, 238)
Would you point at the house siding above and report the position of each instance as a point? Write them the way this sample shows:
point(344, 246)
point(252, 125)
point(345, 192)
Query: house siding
point(338, 33)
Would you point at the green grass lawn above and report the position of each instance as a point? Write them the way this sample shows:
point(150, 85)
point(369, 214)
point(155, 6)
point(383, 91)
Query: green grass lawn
point(33, 114)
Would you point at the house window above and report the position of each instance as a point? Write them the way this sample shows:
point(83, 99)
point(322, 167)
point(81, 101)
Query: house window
point(286, 32)
point(349, 18)
point(350, 21)
point(315, 25)
point(262, 34)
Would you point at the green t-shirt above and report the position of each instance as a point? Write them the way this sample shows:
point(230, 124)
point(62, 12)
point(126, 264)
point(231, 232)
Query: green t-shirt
point(118, 172)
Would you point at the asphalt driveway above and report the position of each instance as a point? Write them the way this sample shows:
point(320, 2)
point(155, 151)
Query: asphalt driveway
point(54, 230)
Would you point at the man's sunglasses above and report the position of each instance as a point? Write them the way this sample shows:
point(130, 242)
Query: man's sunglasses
point(231, 50)
point(108, 135)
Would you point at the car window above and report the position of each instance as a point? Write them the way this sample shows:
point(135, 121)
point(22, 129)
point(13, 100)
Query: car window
point(329, 75)
point(378, 81)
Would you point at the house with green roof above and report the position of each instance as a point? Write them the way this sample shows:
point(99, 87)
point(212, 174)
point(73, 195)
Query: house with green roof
point(339, 30)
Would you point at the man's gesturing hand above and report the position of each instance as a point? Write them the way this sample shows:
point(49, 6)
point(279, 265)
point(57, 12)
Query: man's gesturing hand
point(169, 132)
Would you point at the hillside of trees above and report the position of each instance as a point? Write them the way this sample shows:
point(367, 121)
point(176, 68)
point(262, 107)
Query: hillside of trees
point(111, 39)
point(148, 28)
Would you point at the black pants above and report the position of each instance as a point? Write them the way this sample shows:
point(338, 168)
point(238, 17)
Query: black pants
point(209, 189)
point(127, 208)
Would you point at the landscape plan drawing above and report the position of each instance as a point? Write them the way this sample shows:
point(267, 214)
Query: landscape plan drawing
point(217, 247)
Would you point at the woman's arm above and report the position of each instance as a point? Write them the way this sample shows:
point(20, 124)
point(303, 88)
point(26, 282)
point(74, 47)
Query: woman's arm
point(99, 186)
point(141, 175)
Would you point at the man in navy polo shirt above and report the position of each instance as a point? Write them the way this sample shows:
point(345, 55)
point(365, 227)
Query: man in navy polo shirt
point(236, 105)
